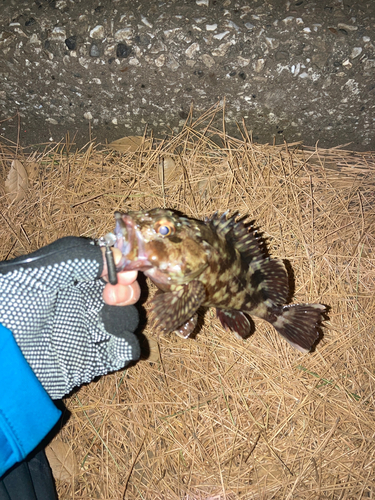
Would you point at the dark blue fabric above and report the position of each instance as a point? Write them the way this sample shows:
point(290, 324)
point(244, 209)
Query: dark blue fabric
point(27, 413)
point(29, 480)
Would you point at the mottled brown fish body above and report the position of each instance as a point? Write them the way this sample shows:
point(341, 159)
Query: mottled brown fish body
point(218, 263)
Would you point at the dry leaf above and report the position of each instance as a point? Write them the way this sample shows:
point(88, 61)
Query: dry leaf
point(32, 170)
point(62, 460)
point(16, 183)
point(130, 144)
point(206, 186)
point(168, 166)
point(270, 472)
point(154, 355)
point(150, 349)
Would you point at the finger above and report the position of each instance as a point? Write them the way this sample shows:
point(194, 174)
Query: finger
point(127, 277)
point(121, 295)
point(124, 278)
point(64, 261)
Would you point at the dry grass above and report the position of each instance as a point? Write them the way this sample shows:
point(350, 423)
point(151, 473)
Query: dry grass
point(219, 418)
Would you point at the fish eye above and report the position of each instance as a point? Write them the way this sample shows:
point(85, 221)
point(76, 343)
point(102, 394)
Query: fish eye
point(165, 228)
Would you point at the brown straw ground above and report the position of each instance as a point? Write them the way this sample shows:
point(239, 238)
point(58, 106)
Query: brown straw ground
point(215, 417)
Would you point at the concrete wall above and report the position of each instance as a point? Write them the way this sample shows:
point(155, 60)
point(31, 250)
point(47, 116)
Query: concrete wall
point(294, 70)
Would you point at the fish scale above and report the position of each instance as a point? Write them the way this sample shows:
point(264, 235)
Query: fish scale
point(220, 262)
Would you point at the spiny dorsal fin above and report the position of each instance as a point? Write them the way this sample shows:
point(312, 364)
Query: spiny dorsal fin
point(241, 234)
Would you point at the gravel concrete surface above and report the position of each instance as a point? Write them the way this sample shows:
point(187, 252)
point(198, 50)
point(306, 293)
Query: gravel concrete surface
point(294, 70)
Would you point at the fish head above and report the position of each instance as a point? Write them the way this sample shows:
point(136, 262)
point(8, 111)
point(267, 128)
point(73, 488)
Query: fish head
point(167, 247)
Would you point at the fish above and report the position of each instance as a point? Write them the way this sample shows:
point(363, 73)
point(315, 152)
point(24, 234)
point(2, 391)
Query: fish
point(219, 262)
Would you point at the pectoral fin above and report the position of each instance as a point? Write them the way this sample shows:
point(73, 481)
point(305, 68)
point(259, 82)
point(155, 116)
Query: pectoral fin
point(235, 321)
point(173, 309)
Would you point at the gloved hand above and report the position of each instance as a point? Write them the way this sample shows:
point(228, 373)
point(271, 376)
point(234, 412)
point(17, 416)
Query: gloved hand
point(52, 301)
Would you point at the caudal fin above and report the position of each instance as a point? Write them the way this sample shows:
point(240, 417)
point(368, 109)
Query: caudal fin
point(298, 324)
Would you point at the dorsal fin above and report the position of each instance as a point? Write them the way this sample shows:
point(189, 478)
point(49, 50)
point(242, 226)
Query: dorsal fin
point(269, 277)
point(266, 275)
point(241, 234)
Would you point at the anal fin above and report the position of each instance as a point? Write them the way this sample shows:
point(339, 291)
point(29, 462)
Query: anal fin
point(235, 321)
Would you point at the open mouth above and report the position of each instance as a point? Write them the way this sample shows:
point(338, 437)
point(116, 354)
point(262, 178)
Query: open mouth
point(130, 242)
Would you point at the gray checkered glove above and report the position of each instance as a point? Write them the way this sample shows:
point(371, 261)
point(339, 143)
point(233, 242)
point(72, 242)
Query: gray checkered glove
point(52, 302)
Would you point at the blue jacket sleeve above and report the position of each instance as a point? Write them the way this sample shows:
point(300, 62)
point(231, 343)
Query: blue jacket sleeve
point(27, 413)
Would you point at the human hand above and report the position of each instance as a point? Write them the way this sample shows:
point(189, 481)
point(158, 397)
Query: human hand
point(127, 290)
point(65, 319)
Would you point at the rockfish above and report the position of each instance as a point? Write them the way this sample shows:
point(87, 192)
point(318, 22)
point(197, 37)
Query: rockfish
point(220, 262)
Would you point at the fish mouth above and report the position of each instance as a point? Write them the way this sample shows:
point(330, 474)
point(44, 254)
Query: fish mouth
point(130, 242)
